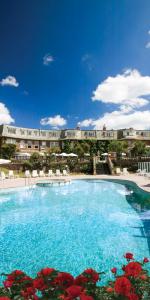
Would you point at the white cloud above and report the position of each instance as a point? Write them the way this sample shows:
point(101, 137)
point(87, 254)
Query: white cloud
point(129, 88)
point(85, 123)
point(147, 45)
point(119, 119)
point(55, 122)
point(47, 59)
point(10, 81)
point(5, 117)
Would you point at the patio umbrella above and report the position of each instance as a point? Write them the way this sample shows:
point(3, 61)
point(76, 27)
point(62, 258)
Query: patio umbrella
point(63, 154)
point(4, 161)
point(105, 154)
point(23, 154)
point(72, 155)
point(86, 154)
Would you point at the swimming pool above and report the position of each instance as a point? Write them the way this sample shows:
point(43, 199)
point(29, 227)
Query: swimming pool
point(89, 223)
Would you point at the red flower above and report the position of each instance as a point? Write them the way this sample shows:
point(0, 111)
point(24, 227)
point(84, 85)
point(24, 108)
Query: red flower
point(46, 272)
point(8, 283)
point(145, 260)
point(143, 277)
point(39, 284)
point(28, 292)
point(109, 289)
point(92, 274)
point(81, 280)
point(86, 297)
point(122, 286)
point(17, 272)
point(133, 269)
point(4, 298)
point(128, 256)
point(64, 279)
point(114, 270)
point(74, 291)
point(133, 297)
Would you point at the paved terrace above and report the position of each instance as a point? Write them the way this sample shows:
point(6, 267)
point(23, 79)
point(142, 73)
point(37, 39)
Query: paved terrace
point(141, 181)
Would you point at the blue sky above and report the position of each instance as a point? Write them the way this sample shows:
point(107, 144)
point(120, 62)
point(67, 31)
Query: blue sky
point(56, 55)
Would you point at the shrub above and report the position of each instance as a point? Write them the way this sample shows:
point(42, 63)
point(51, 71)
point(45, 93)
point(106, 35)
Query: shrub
point(132, 284)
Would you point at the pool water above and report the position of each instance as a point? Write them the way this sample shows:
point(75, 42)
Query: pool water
point(71, 227)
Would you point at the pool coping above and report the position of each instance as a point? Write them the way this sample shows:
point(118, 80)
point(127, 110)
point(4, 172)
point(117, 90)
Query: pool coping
point(141, 181)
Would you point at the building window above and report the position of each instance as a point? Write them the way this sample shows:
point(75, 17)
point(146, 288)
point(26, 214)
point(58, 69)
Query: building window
point(29, 132)
point(11, 130)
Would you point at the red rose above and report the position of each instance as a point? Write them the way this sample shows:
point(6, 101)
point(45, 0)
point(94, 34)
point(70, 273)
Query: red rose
point(64, 279)
point(109, 289)
point(143, 277)
point(128, 256)
point(46, 271)
point(4, 298)
point(145, 260)
point(74, 291)
point(28, 292)
point(8, 283)
point(133, 269)
point(122, 286)
point(81, 280)
point(39, 284)
point(133, 297)
point(17, 272)
point(114, 270)
point(92, 274)
point(86, 297)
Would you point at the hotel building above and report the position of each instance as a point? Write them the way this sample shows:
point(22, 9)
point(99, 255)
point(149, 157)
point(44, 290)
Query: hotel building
point(31, 140)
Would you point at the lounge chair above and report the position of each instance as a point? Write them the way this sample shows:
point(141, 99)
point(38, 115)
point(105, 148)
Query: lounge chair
point(41, 173)
point(147, 175)
point(34, 173)
point(142, 172)
point(2, 176)
point(65, 173)
point(11, 174)
point(50, 173)
point(58, 173)
point(118, 171)
point(125, 171)
point(27, 174)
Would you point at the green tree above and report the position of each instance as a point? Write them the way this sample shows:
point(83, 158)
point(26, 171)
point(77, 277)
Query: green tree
point(102, 146)
point(8, 151)
point(36, 161)
point(67, 147)
point(138, 149)
point(118, 146)
point(78, 149)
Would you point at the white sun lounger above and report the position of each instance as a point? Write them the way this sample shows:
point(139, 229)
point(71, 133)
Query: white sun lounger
point(125, 171)
point(11, 174)
point(142, 172)
point(58, 173)
point(27, 174)
point(118, 171)
point(65, 173)
point(41, 173)
point(34, 173)
point(2, 176)
point(50, 173)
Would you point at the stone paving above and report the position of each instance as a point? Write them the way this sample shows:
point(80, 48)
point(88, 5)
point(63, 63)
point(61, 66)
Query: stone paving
point(141, 181)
